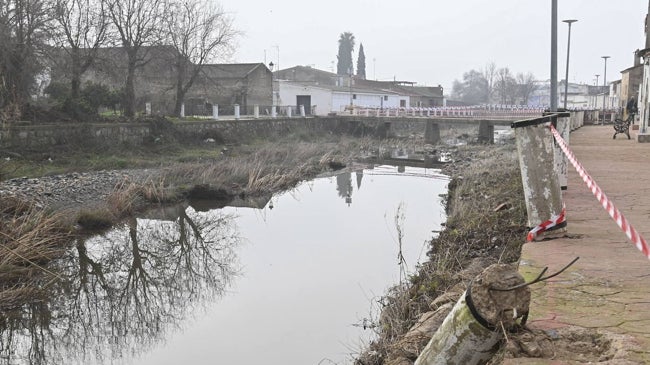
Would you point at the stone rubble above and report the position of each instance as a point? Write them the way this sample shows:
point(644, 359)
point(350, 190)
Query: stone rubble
point(66, 191)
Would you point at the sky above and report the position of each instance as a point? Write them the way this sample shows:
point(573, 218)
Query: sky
point(433, 42)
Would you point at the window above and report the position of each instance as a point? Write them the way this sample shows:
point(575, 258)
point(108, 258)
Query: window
point(354, 96)
point(386, 97)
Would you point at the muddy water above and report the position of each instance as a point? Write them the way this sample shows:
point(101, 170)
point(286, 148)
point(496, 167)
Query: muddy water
point(289, 279)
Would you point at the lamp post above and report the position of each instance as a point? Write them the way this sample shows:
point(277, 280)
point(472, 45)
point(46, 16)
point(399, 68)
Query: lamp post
point(604, 84)
point(553, 56)
point(597, 75)
point(568, 48)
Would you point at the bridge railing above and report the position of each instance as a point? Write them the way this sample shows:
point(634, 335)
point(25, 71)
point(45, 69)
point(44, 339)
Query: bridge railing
point(494, 112)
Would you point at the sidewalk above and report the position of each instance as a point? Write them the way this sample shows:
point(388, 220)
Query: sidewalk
point(608, 289)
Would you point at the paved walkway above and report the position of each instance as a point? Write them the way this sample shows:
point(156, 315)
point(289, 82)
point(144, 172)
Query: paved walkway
point(609, 287)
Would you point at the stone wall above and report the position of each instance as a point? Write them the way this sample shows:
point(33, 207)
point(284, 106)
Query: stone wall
point(45, 136)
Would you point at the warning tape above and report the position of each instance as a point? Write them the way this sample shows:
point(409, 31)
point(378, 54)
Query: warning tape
point(618, 217)
point(545, 226)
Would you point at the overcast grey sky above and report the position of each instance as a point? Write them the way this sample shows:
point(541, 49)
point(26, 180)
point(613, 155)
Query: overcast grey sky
point(435, 41)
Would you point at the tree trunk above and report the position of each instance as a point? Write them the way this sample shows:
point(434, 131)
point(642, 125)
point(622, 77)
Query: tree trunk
point(470, 334)
point(129, 91)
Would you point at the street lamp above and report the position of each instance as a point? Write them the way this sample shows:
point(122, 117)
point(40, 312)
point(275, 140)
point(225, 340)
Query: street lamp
point(597, 75)
point(568, 48)
point(604, 84)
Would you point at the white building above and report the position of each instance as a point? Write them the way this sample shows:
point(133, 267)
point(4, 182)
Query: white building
point(325, 99)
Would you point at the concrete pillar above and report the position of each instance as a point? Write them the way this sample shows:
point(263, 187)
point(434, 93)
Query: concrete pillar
point(236, 111)
point(215, 111)
point(485, 132)
point(288, 111)
point(367, 112)
point(147, 108)
point(428, 112)
point(256, 111)
point(274, 112)
point(431, 132)
point(539, 176)
point(183, 110)
point(561, 161)
point(302, 111)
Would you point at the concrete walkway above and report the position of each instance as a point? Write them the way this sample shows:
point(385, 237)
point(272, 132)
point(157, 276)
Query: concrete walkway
point(609, 287)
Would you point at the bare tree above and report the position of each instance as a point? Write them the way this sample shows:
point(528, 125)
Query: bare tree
point(82, 30)
point(489, 74)
point(506, 86)
point(526, 84)
point(24, 30)
point(139, 24)
point(200, 32)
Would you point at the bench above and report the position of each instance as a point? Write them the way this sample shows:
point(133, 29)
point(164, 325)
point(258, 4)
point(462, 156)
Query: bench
point(623, 126)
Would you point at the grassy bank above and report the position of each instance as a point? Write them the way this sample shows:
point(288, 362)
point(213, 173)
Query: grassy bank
point(486, 224)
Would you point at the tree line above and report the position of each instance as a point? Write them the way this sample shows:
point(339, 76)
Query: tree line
point(494, 85)
point(71, 32)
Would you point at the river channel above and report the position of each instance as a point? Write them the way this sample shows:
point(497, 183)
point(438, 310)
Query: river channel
point(289, 279)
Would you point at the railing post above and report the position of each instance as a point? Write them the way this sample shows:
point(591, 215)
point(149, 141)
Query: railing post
point(256, 111)
point(289, 111)
point(537, 164)
point(147, 108)
point(236, 111)
point(183, 110)
point(302, 111)
point(274, 112)
point(215, 111)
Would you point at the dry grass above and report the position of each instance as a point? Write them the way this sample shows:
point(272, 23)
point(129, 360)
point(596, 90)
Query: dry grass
point(30, 238)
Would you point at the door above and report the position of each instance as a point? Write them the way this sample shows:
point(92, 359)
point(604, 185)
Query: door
point(304, 100)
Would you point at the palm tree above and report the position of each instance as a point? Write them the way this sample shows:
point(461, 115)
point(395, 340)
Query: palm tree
point(346, 47)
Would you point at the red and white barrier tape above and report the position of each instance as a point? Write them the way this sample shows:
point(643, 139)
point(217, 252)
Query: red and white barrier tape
point(618, 217)
point(544, 226)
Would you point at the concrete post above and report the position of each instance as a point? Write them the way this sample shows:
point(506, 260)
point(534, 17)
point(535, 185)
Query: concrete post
point(561, 161)
point(274, 112)
point(485, 132)
point(215, 111)
point(428, 112)
point(471, 331)
point(431, 132)
point(147, 108)
point(183, 110)
point(236, 111)
point(539, 176)
point(289, 111)
point(256, 111)
point(367, 112)
point(302, 111)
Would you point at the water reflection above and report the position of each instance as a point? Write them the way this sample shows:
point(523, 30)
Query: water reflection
point(122, 292)
point(312, 268)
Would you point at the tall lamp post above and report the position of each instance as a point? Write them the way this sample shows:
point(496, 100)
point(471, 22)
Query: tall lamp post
point(553, 56)
point(597, 76)
point(568, 48)
point(604, 84)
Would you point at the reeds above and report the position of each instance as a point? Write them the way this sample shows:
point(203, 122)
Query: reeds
point(30, 238)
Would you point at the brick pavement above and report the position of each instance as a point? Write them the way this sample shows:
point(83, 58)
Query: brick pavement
point(608, 289)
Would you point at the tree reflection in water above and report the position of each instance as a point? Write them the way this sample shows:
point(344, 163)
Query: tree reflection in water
point(122, 291)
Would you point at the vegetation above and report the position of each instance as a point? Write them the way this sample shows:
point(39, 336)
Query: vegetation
point(486, 224)
point(346, 47)
point(494, 85)
point(30, 238)
point(361, 63)
point(37, 35)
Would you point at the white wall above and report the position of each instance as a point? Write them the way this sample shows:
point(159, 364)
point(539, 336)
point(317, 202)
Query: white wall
point(367, 100)
point(321, 98)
